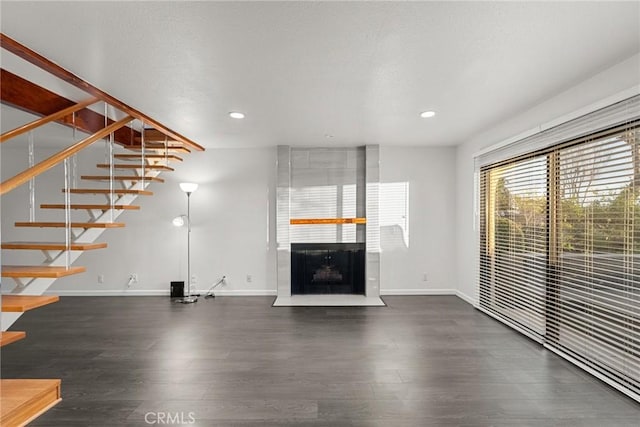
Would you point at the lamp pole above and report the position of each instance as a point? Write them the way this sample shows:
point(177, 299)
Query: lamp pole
point(188, 188)
point(189, 244)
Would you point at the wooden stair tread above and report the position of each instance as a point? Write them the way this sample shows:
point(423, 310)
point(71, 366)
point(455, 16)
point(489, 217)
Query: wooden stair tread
point(21, 303)
point(121, 178)
point(39, 271)
point(90, 206)
point(8, 337)
point(158, 147)
point(107, 191)
point(133, 166)
point(52, 246)
point(148, 156)
point(156, 135)
point(21, 401)
point(73, 224)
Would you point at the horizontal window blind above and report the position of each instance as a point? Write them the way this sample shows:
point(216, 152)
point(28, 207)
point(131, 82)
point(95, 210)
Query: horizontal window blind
point(514, 239)
point(605, 118)
point(595, 304)
point(560, 245)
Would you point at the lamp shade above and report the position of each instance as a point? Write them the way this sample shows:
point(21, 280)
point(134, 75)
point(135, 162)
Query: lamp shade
point(188, 187)
point(180, 220)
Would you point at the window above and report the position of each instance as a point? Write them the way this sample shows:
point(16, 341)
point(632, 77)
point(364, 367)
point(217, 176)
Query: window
point(514, 217)
point(560, 249)
point(595, 312)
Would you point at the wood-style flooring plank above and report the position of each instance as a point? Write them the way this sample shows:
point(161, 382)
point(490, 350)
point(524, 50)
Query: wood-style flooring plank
point(237, 361)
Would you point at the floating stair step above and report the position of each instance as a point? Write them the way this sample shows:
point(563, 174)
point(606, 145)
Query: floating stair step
point(93, 207)
point(21, 303)
point(121, 178)
point(39, 271)
point(21, 401)
point(52, 246)
point(171, 157)
point(132, 166)
point(159, 147)
point(151, 135)
point(8, 337)
point(73, 224)
point(107, 191)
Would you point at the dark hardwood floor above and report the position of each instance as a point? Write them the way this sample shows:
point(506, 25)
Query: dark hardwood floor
point(237, 361)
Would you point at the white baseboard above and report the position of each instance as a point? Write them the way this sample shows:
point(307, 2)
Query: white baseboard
point(467, 298)
point(108, 293)
point(155, 292)
point(244, 292)
point(384, 292)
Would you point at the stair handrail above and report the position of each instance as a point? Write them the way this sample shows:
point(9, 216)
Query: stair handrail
point(52, 161)
point(56, 70)
point(44, 120)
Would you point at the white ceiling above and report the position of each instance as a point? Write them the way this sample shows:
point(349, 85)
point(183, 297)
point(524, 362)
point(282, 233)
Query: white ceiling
point(359, 71)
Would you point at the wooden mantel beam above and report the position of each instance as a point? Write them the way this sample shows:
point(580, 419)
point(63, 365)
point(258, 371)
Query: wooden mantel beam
point(26, 96)
point(56, 70)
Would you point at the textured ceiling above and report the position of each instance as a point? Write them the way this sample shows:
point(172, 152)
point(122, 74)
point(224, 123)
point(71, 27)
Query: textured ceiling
point(358, 71)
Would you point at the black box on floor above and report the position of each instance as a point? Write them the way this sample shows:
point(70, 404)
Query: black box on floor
point(177, 289)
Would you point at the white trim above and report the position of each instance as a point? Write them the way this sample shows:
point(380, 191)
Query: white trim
point(243, 292)
point(107, 293)
point(328, 300)
point(155, 292)
point(610, 100)
point(417, 292)
point(466, 298)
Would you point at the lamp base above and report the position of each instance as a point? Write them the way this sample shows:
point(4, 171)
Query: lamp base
point(187, 300)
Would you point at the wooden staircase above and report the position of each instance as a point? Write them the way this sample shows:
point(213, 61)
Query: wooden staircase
point(23, 400)
point(131, 178)
point(9, 337)
point(20, 271)
point(144, 154)
point(53, 246)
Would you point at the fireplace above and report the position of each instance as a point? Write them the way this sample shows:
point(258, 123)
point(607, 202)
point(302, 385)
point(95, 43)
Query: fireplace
point(327, 268)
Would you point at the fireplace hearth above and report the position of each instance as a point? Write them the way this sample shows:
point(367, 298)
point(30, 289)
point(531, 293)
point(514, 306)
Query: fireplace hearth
point(327, 268)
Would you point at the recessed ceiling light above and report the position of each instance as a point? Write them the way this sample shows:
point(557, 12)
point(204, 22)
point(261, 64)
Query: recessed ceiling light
point(427, 114)
point(236, 115)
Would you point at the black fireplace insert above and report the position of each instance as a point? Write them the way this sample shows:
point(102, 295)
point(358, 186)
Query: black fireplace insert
point(327, 268)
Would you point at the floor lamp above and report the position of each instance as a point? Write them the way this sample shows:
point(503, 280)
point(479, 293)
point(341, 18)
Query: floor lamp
point(188, 188)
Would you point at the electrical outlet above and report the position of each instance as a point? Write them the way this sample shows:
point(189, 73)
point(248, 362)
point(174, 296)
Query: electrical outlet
point(424, 277)
point(100, 278)
point(249, 278)
point(194, 278)
point(133, 278)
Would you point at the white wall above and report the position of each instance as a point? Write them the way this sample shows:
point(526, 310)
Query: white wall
point(234, 211)
point(605, 87)
point(430, 173)
point(231, 213)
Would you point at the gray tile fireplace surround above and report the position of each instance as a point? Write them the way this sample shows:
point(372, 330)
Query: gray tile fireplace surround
point(305, 181)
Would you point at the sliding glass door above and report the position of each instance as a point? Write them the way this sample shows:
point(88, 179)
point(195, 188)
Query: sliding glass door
point(596, 313)
point(514, 242)
point(560, 249)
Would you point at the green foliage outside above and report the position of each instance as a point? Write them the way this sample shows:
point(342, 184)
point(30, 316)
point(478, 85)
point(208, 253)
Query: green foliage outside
point(605, 224)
